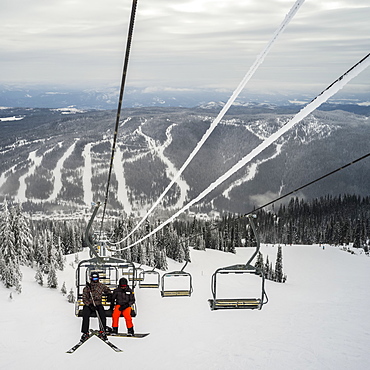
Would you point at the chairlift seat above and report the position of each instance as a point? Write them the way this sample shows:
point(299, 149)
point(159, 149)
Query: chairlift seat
point(238, 303)
point(176, 293)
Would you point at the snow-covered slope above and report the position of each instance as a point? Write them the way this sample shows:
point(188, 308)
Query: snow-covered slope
point(317, 320)
point(59, 163)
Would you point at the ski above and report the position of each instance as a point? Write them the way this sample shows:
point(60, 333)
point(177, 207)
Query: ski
point(78, 345)
point(125, 335)
point(106, 341)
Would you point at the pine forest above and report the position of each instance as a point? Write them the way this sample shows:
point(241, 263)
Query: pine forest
point(42, 244)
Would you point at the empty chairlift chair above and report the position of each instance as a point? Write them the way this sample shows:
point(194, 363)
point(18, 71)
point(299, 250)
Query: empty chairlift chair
point(149, 279)
point(177, 283)
point(255, 302)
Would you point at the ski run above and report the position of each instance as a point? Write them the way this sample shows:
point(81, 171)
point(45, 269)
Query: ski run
point(317, 320)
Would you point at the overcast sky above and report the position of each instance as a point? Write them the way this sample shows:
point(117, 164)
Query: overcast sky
point(183, 44)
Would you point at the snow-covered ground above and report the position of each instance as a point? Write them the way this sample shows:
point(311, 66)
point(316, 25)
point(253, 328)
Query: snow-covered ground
point(318, 319)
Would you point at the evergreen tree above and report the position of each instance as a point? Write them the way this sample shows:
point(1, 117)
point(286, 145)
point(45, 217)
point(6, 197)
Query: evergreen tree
point(39, 277)
point(279, 266)
point(259, 263)
point(267, 268)
point(63, 288)
point(22, 236)
point(71, 297)
point(10, 272)
point(52, 277)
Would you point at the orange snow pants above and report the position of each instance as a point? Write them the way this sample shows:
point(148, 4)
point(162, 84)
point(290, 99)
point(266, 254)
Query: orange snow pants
point(126, 313)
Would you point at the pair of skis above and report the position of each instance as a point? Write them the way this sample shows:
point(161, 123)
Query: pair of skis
point(106, 341)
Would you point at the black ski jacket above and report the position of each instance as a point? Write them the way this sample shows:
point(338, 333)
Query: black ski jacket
point(123, 297)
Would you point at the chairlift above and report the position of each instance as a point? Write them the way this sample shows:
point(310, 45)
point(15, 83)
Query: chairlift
point(240, 303)
point(179, 275)
point(149, 279)
point(109, 268)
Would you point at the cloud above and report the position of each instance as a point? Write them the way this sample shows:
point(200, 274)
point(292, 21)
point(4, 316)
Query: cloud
point(183, 43)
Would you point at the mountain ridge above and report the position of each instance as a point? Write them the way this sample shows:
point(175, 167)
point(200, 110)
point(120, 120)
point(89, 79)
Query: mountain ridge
point(44, 150)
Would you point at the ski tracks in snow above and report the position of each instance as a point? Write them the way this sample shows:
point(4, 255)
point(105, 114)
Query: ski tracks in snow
point(57, 172)
point(36, 161)
point(87, 175)
point(120, 177)
point(170, 168)
point(252, 171)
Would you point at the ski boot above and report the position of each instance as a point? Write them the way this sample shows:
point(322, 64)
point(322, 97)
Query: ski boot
point(84, 337)
point(108, 330)
point(102, 335)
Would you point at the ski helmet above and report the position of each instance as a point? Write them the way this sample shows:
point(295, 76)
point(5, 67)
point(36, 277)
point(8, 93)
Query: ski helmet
point(94, 277)
point(123, 282)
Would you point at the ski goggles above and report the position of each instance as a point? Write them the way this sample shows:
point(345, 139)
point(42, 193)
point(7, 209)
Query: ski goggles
point(95, 278)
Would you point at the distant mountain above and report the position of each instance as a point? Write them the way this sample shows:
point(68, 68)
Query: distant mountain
point(58, 159)
point(107, 98)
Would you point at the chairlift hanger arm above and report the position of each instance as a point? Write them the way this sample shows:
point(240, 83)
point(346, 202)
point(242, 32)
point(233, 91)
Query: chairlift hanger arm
point(92, 249)
point(253, 226)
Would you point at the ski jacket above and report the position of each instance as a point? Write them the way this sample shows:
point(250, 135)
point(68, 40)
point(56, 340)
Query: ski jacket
point(97, 290)
point(123, 297)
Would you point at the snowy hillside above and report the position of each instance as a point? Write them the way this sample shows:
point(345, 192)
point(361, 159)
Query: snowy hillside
point(317, 320)
point(55, 162)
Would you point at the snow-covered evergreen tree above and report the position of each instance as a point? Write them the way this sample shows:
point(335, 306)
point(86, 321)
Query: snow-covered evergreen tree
point(71, 297)
point(58, 255)
point(23, 242)
point(52, 277)
point(279, 266)
point(63, 289)
point(259, 263)
point(10, 272)
point(267, 268)
point(39, 276)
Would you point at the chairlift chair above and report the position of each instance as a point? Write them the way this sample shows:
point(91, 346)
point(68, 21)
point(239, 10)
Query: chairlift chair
point(183, 275)
point(110, 271)
point(149, 279)
point(240, 303)
point(135, 275)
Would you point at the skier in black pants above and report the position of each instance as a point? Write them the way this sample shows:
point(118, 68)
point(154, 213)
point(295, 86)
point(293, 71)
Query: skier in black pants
point(92, 299)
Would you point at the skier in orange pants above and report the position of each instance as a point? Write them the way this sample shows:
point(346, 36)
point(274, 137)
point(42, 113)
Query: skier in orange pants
point(122, 299)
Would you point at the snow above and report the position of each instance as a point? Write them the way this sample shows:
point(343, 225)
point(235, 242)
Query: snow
point(57, 172)
point(331, 90)
point(13, 118)
point(68, 110)
point(35, 162)
point(122, 189)
point(87, 174)
point(317, 320)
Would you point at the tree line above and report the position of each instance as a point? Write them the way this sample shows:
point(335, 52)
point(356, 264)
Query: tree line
point(341, 220)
